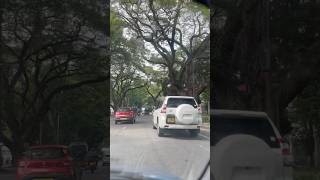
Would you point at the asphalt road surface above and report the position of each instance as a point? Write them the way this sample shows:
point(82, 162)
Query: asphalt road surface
point(137, 148)
point(102, 173)
point(7, 174)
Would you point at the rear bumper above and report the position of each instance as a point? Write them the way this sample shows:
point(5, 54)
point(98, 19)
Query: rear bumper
point(53, 176)
point(124, 118)
point(181, 127)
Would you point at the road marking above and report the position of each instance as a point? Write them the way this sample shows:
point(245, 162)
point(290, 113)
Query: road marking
point(125, 127)
point(204, 148)
point(206, 137)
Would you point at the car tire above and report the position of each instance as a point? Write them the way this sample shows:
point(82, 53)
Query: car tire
point(154, 127)
point(160, 131)
point(115, 122)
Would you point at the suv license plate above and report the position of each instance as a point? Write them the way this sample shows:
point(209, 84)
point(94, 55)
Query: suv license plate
point(171, 119)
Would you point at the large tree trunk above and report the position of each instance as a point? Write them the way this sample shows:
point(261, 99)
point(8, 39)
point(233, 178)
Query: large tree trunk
point(316, 154)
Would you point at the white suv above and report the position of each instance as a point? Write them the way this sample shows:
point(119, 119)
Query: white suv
point(247, 145)
point(178, 112)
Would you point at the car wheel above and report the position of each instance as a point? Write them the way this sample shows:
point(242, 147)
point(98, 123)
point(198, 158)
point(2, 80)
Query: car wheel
point(115, 122)
point(194, 133)
point(154, 127)
point(160, 131)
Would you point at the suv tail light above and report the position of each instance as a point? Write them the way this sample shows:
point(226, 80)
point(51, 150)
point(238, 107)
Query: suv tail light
point(199, 109)
point(284, 149)
point(164, 109)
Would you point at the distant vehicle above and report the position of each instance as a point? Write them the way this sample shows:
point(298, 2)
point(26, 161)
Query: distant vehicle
point(146, 111)
point(242, 139)
point(92, 158)
point(178, 113)
point(78, 150)
point(111, 111)
point(46, 162)
point(105, 156)
point(124, 115)
point(5, 156)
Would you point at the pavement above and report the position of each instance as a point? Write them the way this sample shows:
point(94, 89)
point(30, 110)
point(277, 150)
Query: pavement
point(137, 147)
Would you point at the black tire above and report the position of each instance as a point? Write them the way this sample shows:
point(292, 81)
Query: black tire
point(92, 170)
point(160, 131)
point(154, 127)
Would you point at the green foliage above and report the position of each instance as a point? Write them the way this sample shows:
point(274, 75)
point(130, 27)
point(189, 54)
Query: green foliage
point(84, 115)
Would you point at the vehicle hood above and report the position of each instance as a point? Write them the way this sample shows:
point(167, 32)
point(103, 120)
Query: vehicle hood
point(118, 174)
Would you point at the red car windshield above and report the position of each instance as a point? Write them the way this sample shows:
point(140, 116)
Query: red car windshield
point(45, 153)
point(124, 110)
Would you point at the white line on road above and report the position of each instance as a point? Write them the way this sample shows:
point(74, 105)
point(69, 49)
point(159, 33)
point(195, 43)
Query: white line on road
point(204, 148)
point(204, 136)
point(125, 127)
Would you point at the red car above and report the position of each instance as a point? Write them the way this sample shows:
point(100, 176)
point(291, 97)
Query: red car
point(46, 162)
point(125, 115)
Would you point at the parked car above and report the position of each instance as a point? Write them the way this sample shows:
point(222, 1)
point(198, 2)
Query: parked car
point(124, 115)
point(178, 113)
point(248, 144)
point(5, 156)
point(46, 162)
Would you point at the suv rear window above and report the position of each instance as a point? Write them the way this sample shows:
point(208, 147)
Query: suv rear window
point(124, 110)
point(175, 102)
point(45, 153)
point(255, 126)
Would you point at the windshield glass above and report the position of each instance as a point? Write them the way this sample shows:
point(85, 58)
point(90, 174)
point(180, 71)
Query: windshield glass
point(175, 102)
point(124, 110)
point(258, 127)
point(160, 54)
point(45, 153)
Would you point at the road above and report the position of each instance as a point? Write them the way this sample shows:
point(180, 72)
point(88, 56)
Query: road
point(102, 173)
point(137, 148)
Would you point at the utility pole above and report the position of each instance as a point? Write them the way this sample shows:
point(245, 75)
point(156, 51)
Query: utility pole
point(58, 128)
point(59, 116)
point(40, 133)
